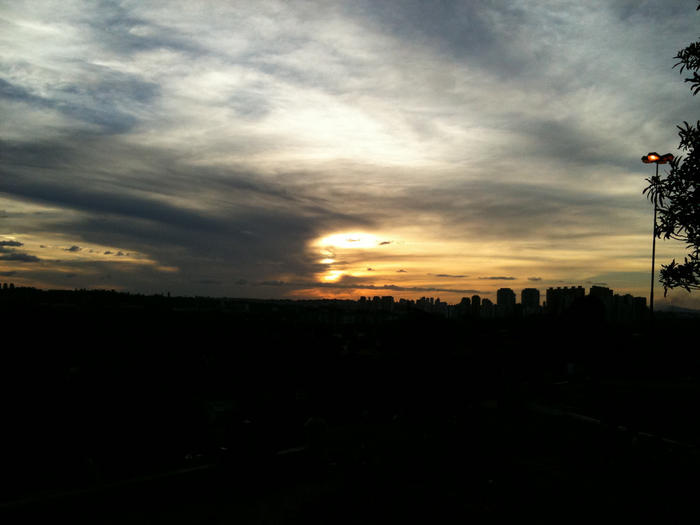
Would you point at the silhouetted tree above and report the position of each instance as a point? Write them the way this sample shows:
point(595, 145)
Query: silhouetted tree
point(678, 195)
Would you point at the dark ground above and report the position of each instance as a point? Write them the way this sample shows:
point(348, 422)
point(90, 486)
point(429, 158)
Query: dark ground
point(121, 410)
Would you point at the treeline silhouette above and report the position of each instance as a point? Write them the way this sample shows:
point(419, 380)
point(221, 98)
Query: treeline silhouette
point(104, 386)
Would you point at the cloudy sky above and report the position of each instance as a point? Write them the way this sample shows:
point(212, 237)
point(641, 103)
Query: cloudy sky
point(336, 149)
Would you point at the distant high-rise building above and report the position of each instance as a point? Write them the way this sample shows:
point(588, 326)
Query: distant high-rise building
point(560, 299)
point(605, 296)
point(641, 311)
point(464, 308)
point(487, 309)
point(476, 305)
point(623, 306)
point(530, 300)
point(387, 302)
point(505, 299)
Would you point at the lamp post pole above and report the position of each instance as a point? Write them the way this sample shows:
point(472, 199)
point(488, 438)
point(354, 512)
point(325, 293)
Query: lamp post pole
point(653, 254)
point(656, 159)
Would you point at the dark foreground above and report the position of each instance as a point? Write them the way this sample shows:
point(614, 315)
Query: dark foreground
point(539, 466)
point(159, 415)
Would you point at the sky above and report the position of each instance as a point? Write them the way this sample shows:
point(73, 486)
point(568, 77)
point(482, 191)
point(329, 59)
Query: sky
point(301, 149)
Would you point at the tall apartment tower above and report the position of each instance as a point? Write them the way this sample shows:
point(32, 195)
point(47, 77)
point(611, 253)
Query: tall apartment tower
point(505, 299)
point(530, 299)
point(476, 305)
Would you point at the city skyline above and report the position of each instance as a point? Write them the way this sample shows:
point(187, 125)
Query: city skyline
point(306, 150)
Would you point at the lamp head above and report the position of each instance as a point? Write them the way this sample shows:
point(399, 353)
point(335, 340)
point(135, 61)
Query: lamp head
point(652, 157)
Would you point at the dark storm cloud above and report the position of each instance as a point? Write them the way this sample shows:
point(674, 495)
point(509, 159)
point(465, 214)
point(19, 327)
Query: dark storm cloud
point(11, 243)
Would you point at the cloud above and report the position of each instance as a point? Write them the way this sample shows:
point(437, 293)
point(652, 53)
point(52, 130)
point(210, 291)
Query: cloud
point(73, 248)
point(229, 140)
point(11, 243)
point(401, 271)
point(272, 283)
point(370, 269)
point(497, 278)
point(9, 274)
point(19, 257)
point(449, 275)
point(536, 279)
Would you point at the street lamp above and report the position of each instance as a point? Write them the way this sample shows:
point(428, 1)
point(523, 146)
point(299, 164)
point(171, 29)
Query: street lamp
point(657, 159)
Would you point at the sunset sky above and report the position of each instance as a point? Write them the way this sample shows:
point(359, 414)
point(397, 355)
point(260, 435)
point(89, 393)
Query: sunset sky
point(336, 149)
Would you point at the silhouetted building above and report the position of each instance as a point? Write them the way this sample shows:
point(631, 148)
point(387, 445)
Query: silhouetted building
point(640, 308)
point(530, 300)
point(476, 305)
point(623, 306)
point(560, 299)
point(487, 309)
point(605, 295)
point(464, 308)
point(505, 298)
point(440, 307)
point(387, 303)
